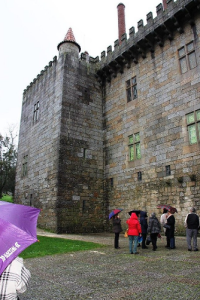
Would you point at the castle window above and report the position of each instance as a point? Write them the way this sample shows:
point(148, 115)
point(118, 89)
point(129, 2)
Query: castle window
point(131, 89)
point(31, 199)
point(24, 166)
point(84, 206)
point(168, 170)
point(193, 126)
point(36, 112)
point(134, 146)
point(187, 57)
point(111, 182)
point(84, 152)
point(139, 176)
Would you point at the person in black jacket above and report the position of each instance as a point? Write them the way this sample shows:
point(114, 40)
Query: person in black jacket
point(117, 228)
point(170, 230)
point(192, 225)
point(144, 226)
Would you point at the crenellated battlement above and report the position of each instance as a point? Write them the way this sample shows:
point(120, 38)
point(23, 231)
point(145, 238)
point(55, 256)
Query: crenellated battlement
point(50, 66)
point(155, 32)
point(129, 49)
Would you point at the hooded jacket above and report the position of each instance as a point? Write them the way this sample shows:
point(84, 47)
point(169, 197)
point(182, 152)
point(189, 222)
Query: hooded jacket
point(134, 227)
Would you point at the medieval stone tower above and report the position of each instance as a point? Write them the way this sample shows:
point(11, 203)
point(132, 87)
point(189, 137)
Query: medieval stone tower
point(122, 131)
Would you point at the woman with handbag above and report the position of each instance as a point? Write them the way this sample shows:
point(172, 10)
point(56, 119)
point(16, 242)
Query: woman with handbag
point(134, 230)
point(170, 228)
point(154, 229)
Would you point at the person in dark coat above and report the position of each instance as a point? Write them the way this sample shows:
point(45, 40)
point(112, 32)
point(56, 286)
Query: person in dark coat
point(154, 228)
point(192, 225)
point(170, 231)
point(117, 228)
point(144, 226)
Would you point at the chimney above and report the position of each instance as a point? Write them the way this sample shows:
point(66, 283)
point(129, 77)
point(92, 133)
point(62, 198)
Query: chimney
point(165, 4)
point(121, 21)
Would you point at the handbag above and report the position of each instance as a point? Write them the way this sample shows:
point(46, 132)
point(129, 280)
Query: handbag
point(167, 226)
point(126, 233)
point(140, 239)
point(148, 240)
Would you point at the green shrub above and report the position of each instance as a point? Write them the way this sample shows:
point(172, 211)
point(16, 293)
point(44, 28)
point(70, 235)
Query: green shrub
point(7, 198)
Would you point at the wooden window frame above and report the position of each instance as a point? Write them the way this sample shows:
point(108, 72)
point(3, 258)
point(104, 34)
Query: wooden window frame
point(134, 144)
point(193, 123)
point(187, 53)
point(131, 89)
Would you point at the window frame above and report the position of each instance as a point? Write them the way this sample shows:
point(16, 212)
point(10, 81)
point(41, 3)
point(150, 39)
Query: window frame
point(25, 166)
point(36, 113)
point(195, 123)
point(131, 89)
point(133, 144)
point(187, 53)
point(139, 176)
point(168, 170)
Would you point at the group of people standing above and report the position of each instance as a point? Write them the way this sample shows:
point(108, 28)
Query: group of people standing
point(138, 226)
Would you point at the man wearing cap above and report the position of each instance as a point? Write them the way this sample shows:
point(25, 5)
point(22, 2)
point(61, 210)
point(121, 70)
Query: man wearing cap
point(192, 225)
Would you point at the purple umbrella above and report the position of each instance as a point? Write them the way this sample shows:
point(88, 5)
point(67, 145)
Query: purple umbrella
point(115, 212)
point(18, 230)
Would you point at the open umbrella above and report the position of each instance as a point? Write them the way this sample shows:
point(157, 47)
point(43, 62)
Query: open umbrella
point(168, 207)
point(18, 230)
point(137, 211)
point(115, 212)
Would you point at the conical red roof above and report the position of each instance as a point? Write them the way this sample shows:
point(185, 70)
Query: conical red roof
point(70, 36)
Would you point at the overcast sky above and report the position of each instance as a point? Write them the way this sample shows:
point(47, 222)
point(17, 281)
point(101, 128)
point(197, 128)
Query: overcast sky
point(30, 31)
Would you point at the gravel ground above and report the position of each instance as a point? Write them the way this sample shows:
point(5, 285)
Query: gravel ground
point(107, 273)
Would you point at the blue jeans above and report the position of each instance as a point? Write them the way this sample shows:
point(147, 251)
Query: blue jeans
point(133, 249)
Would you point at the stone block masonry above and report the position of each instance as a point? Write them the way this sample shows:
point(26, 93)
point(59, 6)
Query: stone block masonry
point(159, 115)
point(64, 148)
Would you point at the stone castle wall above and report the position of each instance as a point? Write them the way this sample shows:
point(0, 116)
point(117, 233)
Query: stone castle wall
point(64, 148)
point(39, 141)
point(81, 207)
point(165, 96)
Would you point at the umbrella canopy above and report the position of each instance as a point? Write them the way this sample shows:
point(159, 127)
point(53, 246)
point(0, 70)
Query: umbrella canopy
point(168, 207)
point(115, 212)
point(137, 211)
point(18, 230)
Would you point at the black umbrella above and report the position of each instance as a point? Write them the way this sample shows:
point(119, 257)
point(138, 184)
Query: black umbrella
point(137, 211)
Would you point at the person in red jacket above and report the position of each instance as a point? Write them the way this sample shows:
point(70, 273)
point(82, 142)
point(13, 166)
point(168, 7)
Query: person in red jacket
point(134, 230)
